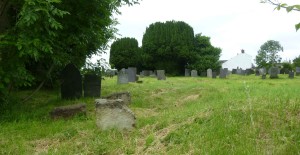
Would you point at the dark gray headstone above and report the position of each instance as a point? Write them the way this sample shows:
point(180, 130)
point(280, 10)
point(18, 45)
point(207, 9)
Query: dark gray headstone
point(131, 71)
point(214, 75)
point(92, 85)
point(234, 71)
point(161, 75)
point(187, 72)
point(257, 72)
point(239, 71)
point(122, 77)
point(291, 75)
point(297, 71)
point(226, 71)
point(209, 73)
point(273, 73)
point(248, 71)
point(71, 86)
point(223, 73)
point(194, 73)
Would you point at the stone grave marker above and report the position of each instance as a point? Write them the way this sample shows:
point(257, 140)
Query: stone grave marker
point(273, 73)
point(209, 73)
point(146, 72)
point(262, 71)
point(187, 72)
point(297, 71)
point(257, 72)
point(131, 71)
point(122, 77)
point(239, 71)
point(223, 73)
point(291, 74)
point(234, 71)
point(161, 75)
point(91, 85)
point(263, 76)
point(214, 75)
point(71, 86)
point(194, 73)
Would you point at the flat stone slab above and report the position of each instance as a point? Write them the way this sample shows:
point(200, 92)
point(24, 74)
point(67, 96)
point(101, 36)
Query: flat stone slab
point(68, 111)
point(114, 114)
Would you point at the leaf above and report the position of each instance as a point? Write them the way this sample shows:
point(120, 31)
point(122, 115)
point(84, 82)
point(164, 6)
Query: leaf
point(297, 26)
point(297, 6)
point(289, 8)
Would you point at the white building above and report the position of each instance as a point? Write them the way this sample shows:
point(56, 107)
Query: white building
point(242, 60)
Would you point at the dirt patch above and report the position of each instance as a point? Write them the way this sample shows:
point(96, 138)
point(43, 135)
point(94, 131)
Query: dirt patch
point(186, 99)
point(43, 145)
point(143, 112)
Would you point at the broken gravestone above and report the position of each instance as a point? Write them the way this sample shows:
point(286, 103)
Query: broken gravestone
point(114, 114)
point(125, 96)
point(68, 111)
point(71, 86)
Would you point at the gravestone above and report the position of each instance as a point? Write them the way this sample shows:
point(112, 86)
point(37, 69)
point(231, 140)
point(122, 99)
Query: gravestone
point(262, 71)
point(226, 71)
point(248, 71)
point(146, 72)
point(161, 75)
point(263, 76)
point(209, 73)
point(214, 75)
point(291, 74)
point(223, 73)
point(194, 73)
point(187, 72)
point(273, 73)
point(297, 71)
point(239, 71)
point(257, 72)
point(92, 85)
point(234, 71)
point(131, 71)
point(112, 114)
point(71, 86)
point(122, 77)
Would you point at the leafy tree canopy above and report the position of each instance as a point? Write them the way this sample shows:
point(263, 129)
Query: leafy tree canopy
point(268, 54)
point(296, 62)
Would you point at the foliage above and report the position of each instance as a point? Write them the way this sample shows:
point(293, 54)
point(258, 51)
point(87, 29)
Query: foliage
point(168, 46)
point(288, 8)
point(268, 54)
point(178, 116)
point(43, 36)
point(125, 53)
point(296, 62)
point(206, 55)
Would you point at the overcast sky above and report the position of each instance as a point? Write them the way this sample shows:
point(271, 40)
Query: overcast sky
point(232, 25)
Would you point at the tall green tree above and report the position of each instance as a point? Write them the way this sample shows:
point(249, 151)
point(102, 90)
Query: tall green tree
point(206, 56)
point(296, 62)
point(168, 46)
point(40, 37)
point(124, 53)
point(268, 54)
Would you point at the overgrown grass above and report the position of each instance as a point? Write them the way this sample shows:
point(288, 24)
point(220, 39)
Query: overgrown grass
point(182, 115)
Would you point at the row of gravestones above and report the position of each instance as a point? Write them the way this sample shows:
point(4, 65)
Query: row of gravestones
point(71, 86)
point(209, 73)
point(129, 75)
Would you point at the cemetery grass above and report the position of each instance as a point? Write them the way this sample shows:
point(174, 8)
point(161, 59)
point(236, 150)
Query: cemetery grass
point(182, 115)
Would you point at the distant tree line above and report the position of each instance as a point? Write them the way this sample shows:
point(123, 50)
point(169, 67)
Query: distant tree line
point(170, 45)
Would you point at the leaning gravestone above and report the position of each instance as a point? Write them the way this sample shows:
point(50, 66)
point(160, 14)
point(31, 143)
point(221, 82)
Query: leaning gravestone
point(92, 85)
point(187, 72)
point(273, 73)
point(209, 73)
point(214, 75)
point(122, 77)
point(297, 71)
point(223, 73)
point(194, 73)
point(131, 71)
point(291, 74)
point(71, 86)
point(161, 75)
point(114, 114)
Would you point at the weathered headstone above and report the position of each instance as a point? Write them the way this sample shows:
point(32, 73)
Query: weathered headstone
point(114, 114)
point(239, 71)
point(161, 75)
point(263, 76)
point(92, 85)
point(223, 73)
point(291, 74)
point(234, 71)
point(214, 75)
point(209, 73)
point(131, 71)
point(262, 71)
point(248, 71)
point(273, 73)
point(187, 72)
point(297, 71)
point(122, 77)
point(71, 86)
point(194, 73)
point(68, 111)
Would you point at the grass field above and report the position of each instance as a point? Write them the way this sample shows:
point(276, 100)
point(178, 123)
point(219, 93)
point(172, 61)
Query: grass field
point(182, 115)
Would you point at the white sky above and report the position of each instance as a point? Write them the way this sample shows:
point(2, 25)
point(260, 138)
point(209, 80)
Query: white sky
point(232, 25)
